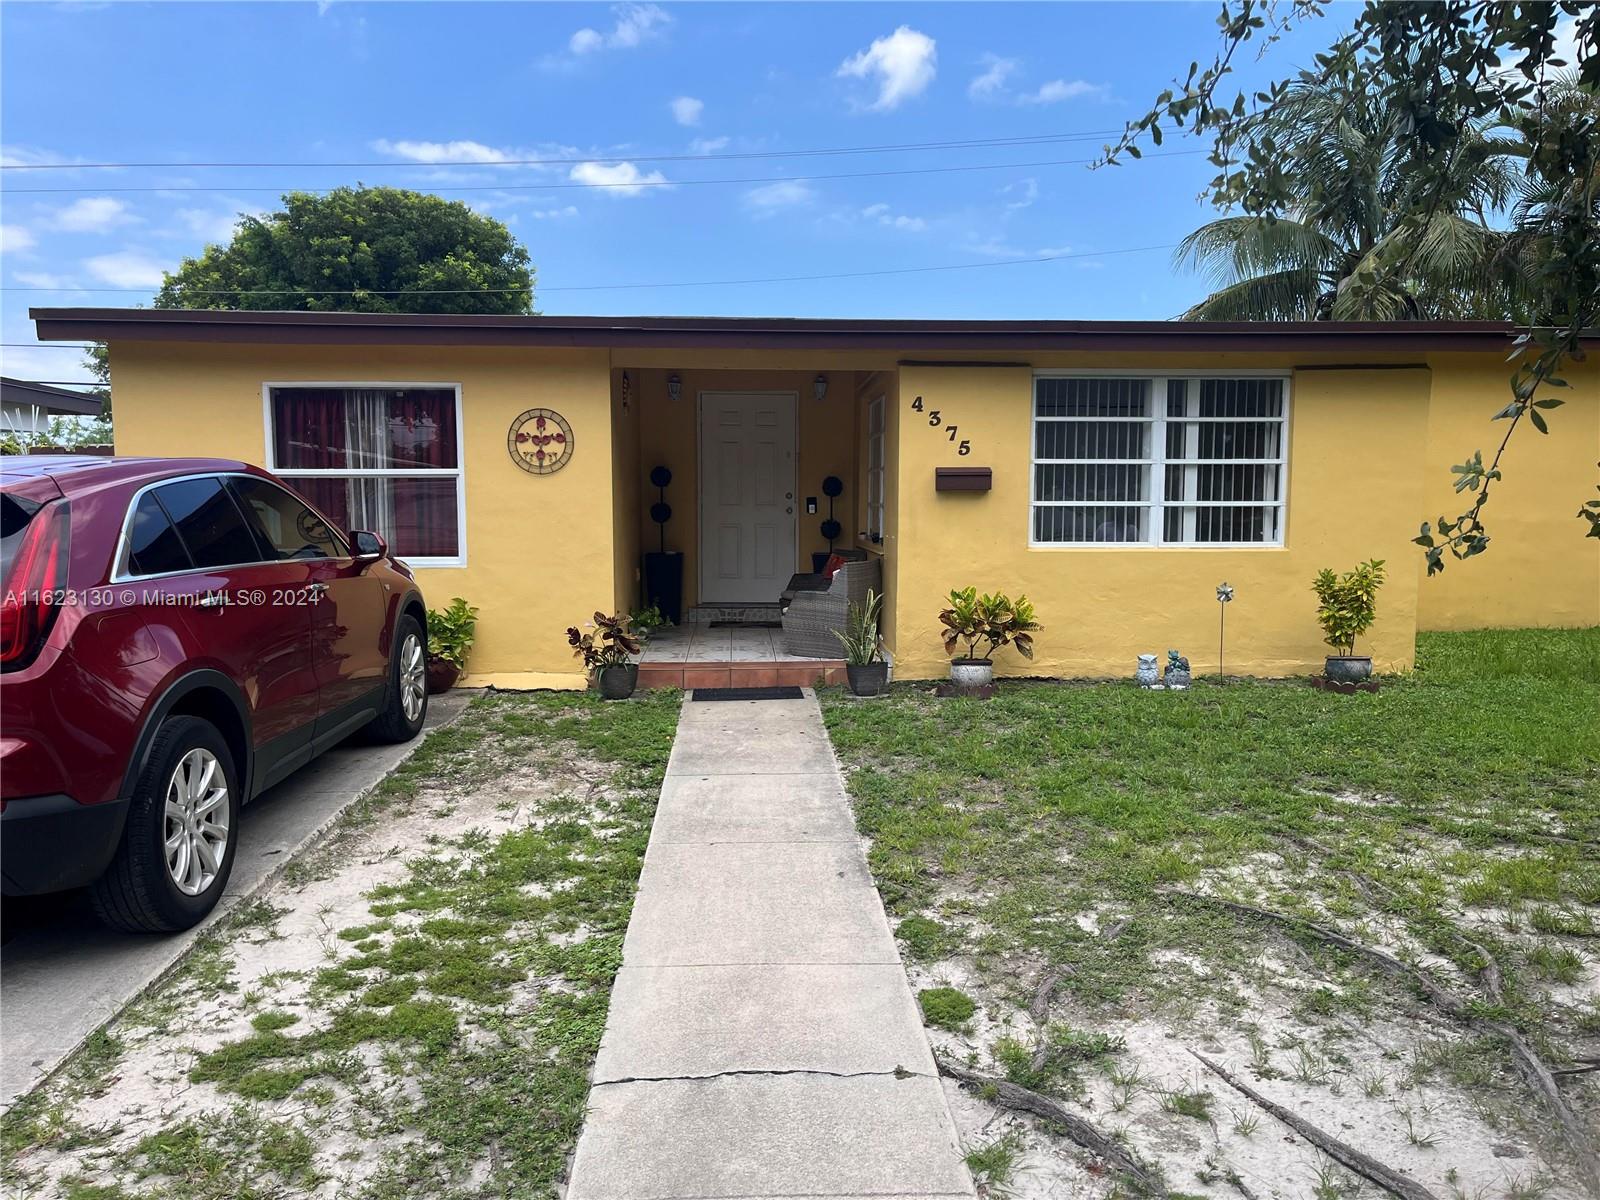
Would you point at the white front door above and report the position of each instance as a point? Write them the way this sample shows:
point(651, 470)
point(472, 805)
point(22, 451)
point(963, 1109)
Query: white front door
point(747, 524)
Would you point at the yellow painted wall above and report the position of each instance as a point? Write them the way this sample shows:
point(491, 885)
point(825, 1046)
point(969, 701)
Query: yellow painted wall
point(668, 436)
point(1353, 484)
point(539, 548)
point(626, 489)
point(1539, 568)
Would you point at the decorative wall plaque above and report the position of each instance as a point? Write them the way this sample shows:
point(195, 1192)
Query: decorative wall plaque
point(540, 441)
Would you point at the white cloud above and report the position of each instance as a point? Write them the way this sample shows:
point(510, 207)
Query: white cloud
point(619, 179)
point(442, 152)
point(14, 239)
point(708, 145)
point(882, 214)
point(786, 193)
point(993, 78)
point(635, 24)
point(125, 269)
point(43, 279)
point(554, 214)
point(27, 156)
point(686, 110)
point(1024, 192)
point(92, 214)
point(1058, 90)
point(904, 64)
point(209, 224)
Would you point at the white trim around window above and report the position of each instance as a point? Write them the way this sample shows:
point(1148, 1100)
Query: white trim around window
point(458, 473)
point(1156, 459)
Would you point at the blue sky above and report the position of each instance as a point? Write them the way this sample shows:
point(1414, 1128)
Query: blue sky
point(430, 90)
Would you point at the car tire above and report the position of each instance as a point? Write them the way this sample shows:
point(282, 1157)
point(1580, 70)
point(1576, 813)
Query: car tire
point(405, 705)
point(172, 866)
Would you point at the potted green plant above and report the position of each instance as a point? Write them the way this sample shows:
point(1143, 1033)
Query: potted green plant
point(451, 632)
point(646, 621)
point(607, 651)
point(991, 621)
point(864, 666)
point(1346, 607)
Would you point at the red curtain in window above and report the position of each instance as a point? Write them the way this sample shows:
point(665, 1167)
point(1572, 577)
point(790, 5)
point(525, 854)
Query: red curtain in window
point(312, 431)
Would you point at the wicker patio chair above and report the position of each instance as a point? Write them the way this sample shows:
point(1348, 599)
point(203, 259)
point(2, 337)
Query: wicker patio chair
point(812, 616)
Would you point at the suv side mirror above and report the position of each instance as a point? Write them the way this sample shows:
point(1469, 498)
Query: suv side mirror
point(369, 546)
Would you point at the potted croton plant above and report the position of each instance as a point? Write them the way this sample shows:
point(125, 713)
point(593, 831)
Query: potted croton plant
point(864, 667)
point(989, 622)
point(607, 650)
point(1346, 607)
point(450, 636)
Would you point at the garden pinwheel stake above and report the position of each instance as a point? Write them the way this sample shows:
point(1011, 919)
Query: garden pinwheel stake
point(1224, 596)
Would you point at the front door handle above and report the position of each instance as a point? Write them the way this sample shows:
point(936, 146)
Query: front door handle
point(315, 590)
point(213, 600)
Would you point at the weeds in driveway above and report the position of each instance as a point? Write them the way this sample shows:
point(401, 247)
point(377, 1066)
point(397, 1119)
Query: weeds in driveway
point(411, 1012)
point(1451, 819)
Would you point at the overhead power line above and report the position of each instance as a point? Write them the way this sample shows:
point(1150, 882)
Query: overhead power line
point(616, 287)
point(624, 184)
point(890, 148)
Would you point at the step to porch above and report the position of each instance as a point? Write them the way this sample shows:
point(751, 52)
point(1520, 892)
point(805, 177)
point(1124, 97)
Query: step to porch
point(809, 672)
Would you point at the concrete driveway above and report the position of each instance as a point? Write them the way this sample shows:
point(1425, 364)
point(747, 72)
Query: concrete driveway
point(63, 974)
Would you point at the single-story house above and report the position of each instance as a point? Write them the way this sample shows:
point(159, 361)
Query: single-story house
point(26, 407)
point(1114, 471)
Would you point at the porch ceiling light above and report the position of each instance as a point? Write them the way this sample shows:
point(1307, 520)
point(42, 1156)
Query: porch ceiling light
point(819, 388)
point(674, 388)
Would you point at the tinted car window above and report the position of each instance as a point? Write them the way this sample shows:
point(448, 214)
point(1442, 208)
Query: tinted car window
point(153, 545)
point(209, 523)
point(284, 524)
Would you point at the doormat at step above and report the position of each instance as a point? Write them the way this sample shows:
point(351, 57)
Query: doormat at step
point(744, 625)
point(748, 693)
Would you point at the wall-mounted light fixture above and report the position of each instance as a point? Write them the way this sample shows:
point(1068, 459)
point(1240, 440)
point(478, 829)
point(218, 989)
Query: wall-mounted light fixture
point(819, 388)
point(674, 388)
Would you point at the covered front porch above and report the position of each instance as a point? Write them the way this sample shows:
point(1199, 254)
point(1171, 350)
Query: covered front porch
point(734, 486)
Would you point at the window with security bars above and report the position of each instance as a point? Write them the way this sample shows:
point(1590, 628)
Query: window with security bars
point(1158, 460)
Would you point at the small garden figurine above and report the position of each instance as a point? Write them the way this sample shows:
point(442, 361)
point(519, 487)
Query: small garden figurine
point(607, 651)
point(1147, 675)
point(1177, 677)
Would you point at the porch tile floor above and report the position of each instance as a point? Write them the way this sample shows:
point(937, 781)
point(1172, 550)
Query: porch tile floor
point(696, 655)
point(762, 1039)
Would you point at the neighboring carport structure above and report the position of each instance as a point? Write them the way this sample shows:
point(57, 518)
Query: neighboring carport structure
point(26, 408)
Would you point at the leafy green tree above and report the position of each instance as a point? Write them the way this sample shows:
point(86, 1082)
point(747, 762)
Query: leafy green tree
point(1345, 210)
point(360, 249)
point(1445, 70)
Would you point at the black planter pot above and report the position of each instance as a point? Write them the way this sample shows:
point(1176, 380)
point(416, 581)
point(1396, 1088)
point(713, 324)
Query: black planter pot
point(1348, 668)
point(663, 583)
point(617, 683)
point(867, 680)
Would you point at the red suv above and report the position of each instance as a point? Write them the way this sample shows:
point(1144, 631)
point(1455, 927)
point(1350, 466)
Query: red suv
point(176, 636)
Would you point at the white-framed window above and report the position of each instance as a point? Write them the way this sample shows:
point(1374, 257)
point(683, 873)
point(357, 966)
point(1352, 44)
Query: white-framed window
point(876, 468)
point(1169, 459)
point(378, 456)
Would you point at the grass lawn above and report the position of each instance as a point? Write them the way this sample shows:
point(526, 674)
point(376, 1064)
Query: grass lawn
point(1044, 833)
point(411, 1011)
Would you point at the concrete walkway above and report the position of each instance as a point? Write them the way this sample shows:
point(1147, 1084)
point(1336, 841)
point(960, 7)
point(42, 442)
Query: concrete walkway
point(762, 1039)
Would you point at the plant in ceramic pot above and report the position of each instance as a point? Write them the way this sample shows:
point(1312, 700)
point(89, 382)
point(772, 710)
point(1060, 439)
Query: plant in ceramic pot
point(864, 666)
point(1346, 607)
point(988, 621)
point(451, 632)
point(607, 650)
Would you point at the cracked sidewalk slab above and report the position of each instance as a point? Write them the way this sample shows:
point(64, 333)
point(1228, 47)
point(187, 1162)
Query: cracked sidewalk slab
point(762, 1040)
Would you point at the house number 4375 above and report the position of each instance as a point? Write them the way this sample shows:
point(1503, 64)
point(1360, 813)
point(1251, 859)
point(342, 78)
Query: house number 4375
point(935, 421)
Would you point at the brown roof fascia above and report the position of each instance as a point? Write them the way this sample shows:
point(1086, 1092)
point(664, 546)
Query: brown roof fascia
point(453, 329)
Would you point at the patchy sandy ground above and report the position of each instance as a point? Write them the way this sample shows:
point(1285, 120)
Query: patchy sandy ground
point(193, 1092)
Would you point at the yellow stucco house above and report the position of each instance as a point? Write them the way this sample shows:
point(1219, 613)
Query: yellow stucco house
point(1115, 472)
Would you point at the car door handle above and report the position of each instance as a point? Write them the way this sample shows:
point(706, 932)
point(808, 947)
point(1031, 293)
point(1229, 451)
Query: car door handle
point(315, 590)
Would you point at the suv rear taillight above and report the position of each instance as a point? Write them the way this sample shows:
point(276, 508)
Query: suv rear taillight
point(35, 584)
